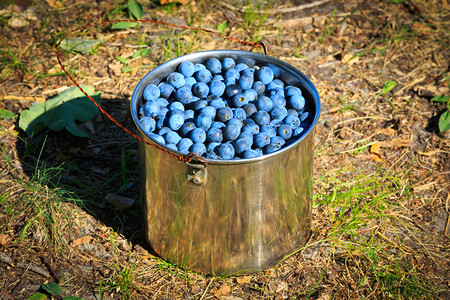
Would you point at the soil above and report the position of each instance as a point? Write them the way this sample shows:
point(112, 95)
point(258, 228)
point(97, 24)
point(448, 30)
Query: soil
point(349, 50)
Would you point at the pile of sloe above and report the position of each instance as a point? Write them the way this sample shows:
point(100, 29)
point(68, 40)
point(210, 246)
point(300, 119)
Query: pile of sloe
point(224, 110)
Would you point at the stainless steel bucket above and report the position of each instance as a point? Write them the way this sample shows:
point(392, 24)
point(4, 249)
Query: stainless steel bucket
point(228, 217)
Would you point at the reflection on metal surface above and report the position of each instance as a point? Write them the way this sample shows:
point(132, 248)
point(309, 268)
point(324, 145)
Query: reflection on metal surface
point(229, 216)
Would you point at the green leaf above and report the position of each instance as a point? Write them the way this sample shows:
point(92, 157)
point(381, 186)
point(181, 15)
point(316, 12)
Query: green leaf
point(142, 52)
point(122, 59)
point(127, 69)
point(6, 114)
point(38, 296)
point(444, 99)
point(222, 27)
point(52, 288)
point(444, 121)
point(79, 45)
point(61, 112)
point(135, 9)
point(388, 85)
point(124, 25)
point(72, 298)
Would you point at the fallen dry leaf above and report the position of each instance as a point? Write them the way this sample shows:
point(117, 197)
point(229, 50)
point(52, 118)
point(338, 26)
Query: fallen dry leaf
point(244, 279)
point(350, 59)
point(224, 290)
point(4, 239)
point(81, 241)
point(119, 202)
point(375, 151)
point(196, 289)
point(422, 28)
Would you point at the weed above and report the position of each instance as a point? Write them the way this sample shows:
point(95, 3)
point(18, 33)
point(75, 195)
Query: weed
point(444, 119)
point(388, 86)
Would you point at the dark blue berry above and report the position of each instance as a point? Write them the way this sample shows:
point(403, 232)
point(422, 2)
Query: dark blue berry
point(166, 90)
point(265, 74)
point(186, 68)
point(151, 109)
point(151, 92)
point(261, 117)
point(225, 151)
point(213, 65)
point(184, 144)
point(184, 94)
point(176, 80)
point(186, 128)
point(228, 63)
point(231, 132)
point(198, 135)
point(214, 135)
point(223, 114)
point(285, 131)
point(217, 88)
point(198, 148)
point(200, 89)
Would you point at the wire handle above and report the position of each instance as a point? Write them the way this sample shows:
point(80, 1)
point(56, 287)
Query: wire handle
point(190, 156)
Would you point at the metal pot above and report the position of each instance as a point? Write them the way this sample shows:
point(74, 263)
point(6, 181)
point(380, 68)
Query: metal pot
point(225, 217)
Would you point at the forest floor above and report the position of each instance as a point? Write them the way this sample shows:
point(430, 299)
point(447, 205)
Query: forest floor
point(69, 212)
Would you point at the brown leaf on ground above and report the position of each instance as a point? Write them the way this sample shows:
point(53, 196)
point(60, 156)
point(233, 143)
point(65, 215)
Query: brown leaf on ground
point(375, 151)
point(224, 290)
point(196, 289)
point(81, 241)
point(4, 239)
point(244, 279)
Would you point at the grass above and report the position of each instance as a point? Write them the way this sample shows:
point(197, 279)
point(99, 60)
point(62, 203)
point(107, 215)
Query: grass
point(175, 45)
point(365, 225)
point(11, 62)
point(39, 205)
point(253, 19)
point(123, 275)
